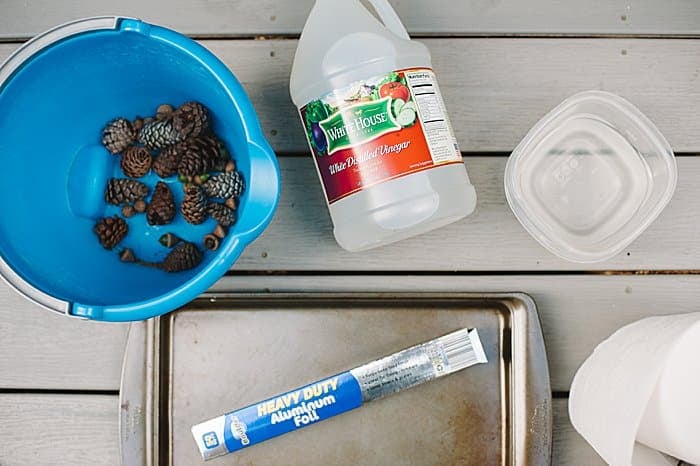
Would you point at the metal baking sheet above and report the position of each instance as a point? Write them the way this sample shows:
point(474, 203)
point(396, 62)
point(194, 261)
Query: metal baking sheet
point(225, 352)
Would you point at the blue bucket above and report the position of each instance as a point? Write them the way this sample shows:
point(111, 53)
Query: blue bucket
point(56, 94)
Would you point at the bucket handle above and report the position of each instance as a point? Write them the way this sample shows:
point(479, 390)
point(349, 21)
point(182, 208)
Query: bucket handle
point(52, 36)
point(30, 292)
point(389, 17)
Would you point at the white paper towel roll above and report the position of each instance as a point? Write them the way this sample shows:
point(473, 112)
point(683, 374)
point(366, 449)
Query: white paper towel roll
point(642, 384)
point(671, 422)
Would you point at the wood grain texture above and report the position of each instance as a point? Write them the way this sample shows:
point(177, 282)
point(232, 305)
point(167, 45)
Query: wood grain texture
point(83, 430)
point(43, 350)
point(497, 89)
point(569, 448)
point(59, 430)
point(300, 236)
point(577, 312)
point(247, 17)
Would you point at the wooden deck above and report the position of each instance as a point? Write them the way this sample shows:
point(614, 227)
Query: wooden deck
point(501, 65)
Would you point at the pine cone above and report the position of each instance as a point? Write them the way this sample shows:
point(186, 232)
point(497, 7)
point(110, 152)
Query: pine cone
point(124, 191)
point(136, 161)
point(191, 119)
point(118, 135)
point(222, 214)
point(201, 155)
point(224, 185)
point(111, 230)
point(161, 209)
point(158, 134)
point(166, 163)
point(164, 112)
point(194, 205)
point(184, 256)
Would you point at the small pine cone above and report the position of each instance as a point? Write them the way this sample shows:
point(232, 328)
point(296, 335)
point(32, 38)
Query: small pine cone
point(222, 214)
point(166, 163)
point(223, 156)
point(201, 155)
point(191, 119)
point(164, 112)
point(225, 185)
point(184, 256)
point(124, 191)
point(128, 211)
point(118, 135)
point(158, 134)
point(161, 210)
point(140, 206)
point(111, 230)
point(136, 161)
point(194, 205)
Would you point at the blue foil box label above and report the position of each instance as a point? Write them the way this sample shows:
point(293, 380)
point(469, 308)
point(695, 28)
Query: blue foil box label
point(278, 415)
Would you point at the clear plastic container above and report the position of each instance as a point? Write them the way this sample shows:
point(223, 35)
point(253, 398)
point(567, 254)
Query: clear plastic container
point(342, 45)
point(590, 177)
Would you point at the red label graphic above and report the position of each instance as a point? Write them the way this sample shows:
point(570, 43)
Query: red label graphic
point(378, 129)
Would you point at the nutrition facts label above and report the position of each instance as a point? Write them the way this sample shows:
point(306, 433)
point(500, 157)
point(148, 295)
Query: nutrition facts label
point(433, 116)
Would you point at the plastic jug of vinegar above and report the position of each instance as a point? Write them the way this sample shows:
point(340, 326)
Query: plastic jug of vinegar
point(376, 124)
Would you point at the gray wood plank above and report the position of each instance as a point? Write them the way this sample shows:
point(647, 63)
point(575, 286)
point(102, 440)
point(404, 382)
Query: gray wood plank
point(497, 89)
point(82, 429)
point(43, 350)
point(577, 312)
point(300, 236)
point(248, 17)
point(569, 448)
point(57, 430)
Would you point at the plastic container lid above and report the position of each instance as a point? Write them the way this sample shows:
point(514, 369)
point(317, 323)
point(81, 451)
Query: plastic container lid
point(590, 177)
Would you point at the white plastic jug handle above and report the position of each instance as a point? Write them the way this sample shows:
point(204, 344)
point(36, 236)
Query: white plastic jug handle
point(389, 17)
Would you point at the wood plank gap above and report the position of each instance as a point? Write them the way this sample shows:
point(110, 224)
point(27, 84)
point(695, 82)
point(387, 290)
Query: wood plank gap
point(287, 154)
point(464, 154)
point(335, 273)
point(471, 35)
point(245, 37)
point(50, 391)
point(164, 433)
point(516, 35)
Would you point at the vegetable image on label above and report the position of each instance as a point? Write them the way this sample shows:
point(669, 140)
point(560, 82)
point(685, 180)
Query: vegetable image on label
point(406, 117)
point(315, 112)
point(319, 137)
point(395, 90)
point(378, 129)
